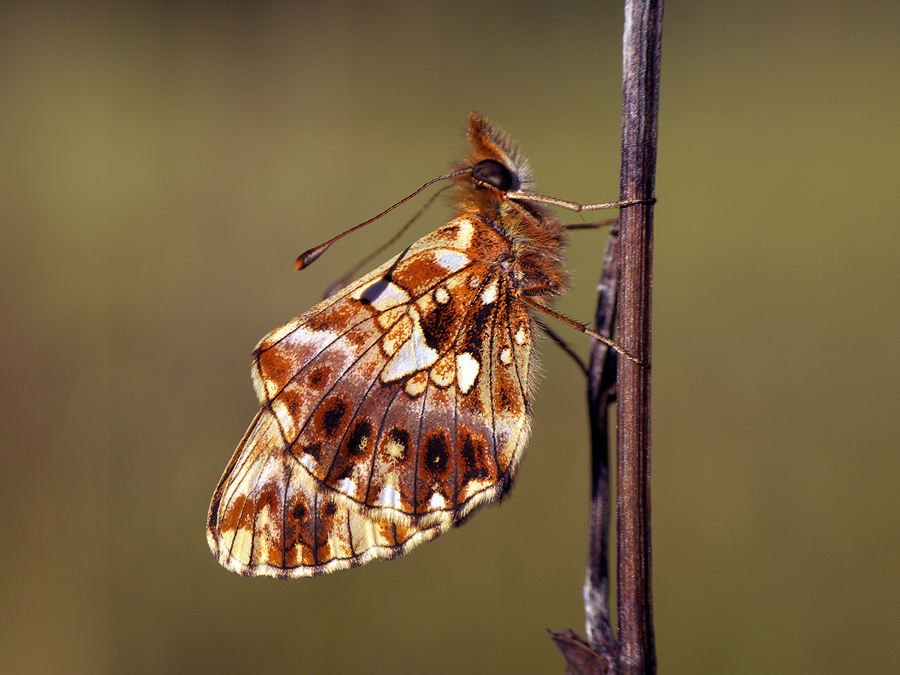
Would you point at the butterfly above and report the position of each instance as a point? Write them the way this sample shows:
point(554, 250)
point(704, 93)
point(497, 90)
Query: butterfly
point(395, 407)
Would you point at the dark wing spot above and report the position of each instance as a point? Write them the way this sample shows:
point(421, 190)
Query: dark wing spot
point(332, 416)
point(476, 328)
point(299, 512)
point(339, 473)
point(436, 326)
point(313, 450)
point(359, 437)
point(472, 454)
point(293, 400)
point(329, 509)
point(318, 376)
point(437, 454)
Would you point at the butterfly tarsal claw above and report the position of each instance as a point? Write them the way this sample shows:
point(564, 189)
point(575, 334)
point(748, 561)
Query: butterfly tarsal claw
point(401, 403)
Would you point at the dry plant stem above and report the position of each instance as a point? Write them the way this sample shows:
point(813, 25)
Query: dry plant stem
point(601, 392)
point(599, 655)
point(643, 32)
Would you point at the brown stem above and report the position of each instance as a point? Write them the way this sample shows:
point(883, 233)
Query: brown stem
point(601, 393)
point(600, 653)
point(643, 34)
point(627, 266)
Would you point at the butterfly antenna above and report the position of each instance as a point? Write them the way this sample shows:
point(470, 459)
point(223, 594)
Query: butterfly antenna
point(305, 259)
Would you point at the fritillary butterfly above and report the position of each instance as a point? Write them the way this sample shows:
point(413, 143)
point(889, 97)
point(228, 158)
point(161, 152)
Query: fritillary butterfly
point(400, 404)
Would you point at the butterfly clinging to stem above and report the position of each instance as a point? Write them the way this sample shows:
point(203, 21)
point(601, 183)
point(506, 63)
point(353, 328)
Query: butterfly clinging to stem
point(393, 408)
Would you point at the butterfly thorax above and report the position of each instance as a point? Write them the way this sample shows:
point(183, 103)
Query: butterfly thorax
point(536, 247)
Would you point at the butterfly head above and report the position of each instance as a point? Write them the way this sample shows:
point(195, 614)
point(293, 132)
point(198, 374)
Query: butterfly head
point(493, 168)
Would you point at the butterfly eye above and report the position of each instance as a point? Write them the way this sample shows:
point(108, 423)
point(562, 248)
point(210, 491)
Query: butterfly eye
point(493, 173)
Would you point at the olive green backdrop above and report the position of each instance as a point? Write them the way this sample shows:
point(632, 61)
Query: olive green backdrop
point(163, 164)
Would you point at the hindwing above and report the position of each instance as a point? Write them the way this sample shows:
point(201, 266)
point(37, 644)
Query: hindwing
point(389, 411)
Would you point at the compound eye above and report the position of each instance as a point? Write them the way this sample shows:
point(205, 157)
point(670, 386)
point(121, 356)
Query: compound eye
point(493, 173)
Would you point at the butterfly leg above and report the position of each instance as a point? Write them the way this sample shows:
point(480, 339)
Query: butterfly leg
point(526, 296)
point(562, 344)
point(609, 222)
point(573, 206)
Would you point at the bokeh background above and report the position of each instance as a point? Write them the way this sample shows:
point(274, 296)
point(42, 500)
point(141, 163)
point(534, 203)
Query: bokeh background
point(164, 162)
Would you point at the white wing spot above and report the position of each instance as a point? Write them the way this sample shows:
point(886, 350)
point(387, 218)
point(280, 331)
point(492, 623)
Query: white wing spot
point(437, 501)
point(414, 355)
point(389, 497)
point(441, 295)
point(473, 487)
point(285, 420)
point(452, 261)
point(347, 486)
point(309, 462)
point(242, 546)
point(489, 294)
point(382, 295)
point(506, 356)
point(467, 368)
point(464, 233)
point(520, 336)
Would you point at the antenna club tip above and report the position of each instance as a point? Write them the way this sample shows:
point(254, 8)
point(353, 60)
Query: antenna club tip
point(307, 258)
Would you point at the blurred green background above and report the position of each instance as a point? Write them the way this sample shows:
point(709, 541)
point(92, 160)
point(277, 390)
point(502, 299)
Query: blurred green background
point(163, 164)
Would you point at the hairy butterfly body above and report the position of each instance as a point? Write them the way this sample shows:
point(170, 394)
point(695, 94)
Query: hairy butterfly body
point(395, 407)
